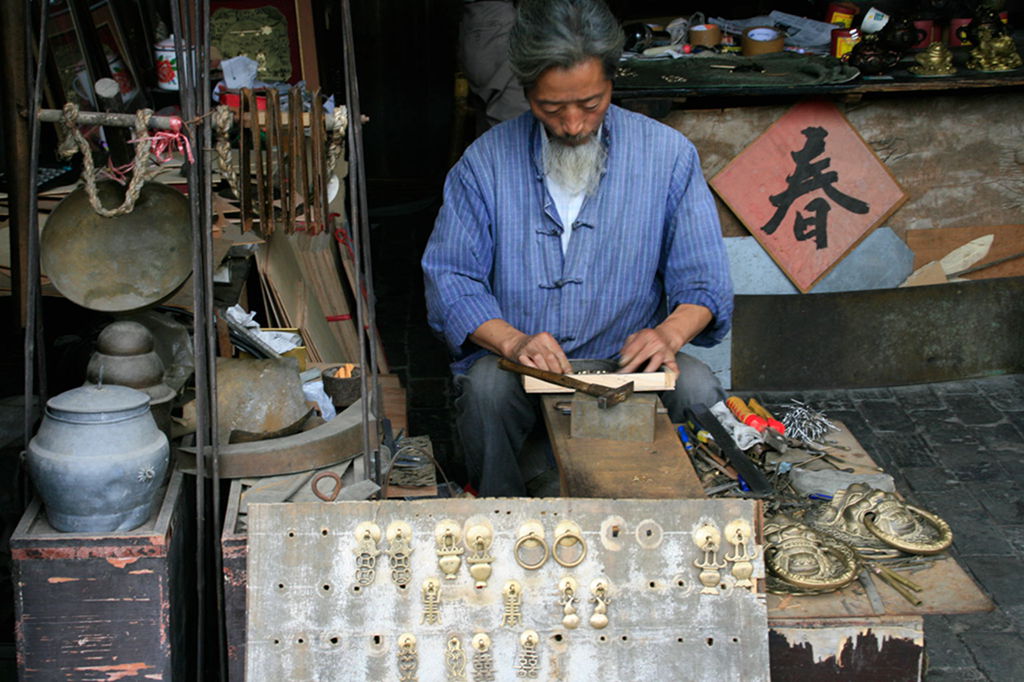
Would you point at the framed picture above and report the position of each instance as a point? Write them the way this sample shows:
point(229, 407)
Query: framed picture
point(809, 189)
point(75, 52)
point(278, 34)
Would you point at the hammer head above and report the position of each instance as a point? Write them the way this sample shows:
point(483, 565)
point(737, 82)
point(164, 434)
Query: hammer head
point(614, 396)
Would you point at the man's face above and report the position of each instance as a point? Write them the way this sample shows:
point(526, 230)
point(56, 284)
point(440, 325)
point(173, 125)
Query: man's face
point(571, 102)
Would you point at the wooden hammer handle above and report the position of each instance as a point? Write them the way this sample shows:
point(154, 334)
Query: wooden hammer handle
point(554, 378)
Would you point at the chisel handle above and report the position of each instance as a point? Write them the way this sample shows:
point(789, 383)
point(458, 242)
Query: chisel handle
point(743, 413)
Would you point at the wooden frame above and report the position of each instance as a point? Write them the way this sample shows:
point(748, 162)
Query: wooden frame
point(298, 28)
point(68, 62)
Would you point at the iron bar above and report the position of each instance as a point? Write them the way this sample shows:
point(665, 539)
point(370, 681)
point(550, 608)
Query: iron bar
point(34, 352)
point(360, 246)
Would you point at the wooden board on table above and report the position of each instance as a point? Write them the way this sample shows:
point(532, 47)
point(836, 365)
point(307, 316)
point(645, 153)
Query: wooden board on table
point(932, 244)
point(593, 467)
point(947, 588)
point(642, 381)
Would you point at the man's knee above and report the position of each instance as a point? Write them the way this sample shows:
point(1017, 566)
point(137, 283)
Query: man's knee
point(696, 384)
point(488, 388)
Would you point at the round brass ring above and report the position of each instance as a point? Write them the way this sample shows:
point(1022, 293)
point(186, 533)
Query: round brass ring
point(569, 535)
point(521, 542)
point(943, 529)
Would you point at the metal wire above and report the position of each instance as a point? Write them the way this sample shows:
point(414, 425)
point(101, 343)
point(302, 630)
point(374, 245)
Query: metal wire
point(805, 423)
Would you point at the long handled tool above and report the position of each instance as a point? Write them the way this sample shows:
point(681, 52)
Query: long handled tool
point(606, 396)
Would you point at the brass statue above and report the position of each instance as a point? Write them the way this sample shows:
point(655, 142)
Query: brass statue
point(799, 559)
point(935, 60)
point(876, 523)
point(994, 52)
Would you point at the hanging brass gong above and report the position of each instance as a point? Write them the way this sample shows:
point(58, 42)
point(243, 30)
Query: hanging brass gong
point(120, 263)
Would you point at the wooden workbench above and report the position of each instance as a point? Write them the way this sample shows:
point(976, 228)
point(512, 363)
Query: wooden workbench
point(595, 467)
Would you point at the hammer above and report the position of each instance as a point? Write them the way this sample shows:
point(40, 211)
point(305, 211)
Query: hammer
point(606, 395)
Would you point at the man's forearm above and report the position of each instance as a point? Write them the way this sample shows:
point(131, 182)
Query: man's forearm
point(534, 350)
point(684, 323)
point(497, 336)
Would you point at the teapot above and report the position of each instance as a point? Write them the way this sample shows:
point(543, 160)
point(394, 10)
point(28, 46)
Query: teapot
point(899, 33)
point(872, 57)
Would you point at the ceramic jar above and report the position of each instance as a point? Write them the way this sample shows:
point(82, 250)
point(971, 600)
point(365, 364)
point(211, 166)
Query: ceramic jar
point(98, 459)
point(125, 356)
point(166, 59)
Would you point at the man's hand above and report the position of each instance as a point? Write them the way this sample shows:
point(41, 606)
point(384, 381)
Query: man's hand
point(540, 351)
point(652, 348)
point(533, 350)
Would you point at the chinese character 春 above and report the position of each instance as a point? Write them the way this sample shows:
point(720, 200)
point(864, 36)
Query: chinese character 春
point(808, 176)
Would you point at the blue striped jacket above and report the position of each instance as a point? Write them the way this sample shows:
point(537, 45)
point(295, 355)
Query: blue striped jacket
point(647, 240)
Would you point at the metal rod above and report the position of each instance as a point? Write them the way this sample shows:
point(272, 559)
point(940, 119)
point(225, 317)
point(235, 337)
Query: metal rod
point(183, 46)
point(33, 346)
point(367, 377)
point(100, 118)
point(171, 123)
point(211, 331)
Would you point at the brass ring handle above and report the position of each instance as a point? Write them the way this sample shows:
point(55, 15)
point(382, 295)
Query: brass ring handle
point(560, 541)
point(845, 556)
point(944, 541)
point(521, 542)
point(315, 485)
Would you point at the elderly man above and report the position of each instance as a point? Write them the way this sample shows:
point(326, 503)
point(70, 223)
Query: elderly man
point(576, 230)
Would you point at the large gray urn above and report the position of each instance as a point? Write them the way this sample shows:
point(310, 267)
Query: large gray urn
point(98, 459)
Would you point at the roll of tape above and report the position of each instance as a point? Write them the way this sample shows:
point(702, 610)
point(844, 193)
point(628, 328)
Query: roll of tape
point(706, 35)
point(761, 40)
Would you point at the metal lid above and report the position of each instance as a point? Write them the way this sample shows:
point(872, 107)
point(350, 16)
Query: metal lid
point(92, 403)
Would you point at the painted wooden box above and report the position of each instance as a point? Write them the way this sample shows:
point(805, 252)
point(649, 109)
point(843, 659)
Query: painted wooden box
point(106, 606)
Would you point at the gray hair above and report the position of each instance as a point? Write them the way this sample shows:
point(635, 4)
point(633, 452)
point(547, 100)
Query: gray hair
point(563, 33)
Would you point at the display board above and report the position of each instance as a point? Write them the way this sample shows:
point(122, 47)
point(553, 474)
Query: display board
point(506, 589)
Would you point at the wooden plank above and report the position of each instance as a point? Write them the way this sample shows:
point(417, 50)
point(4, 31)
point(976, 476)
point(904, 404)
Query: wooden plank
point(947, 588)
point(933, 244)
point(590, 467)
point(642, 381)
point(394, 400)
point(856, 649)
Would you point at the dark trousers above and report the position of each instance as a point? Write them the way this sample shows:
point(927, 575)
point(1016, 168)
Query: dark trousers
point(494, 415)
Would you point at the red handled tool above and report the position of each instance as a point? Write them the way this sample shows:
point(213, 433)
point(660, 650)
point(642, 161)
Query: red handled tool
point(770, 428)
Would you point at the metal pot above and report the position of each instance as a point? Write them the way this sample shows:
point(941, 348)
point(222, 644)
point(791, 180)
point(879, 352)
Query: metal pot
point(98, 459)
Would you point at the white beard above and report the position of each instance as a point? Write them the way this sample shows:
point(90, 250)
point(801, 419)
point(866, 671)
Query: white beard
point(576, 168)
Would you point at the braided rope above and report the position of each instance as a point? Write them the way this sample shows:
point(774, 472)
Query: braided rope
point(223, 119)
point(75, 142)
point(337, 143)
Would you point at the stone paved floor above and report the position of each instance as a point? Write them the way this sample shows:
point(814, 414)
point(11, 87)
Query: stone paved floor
point(954, 448)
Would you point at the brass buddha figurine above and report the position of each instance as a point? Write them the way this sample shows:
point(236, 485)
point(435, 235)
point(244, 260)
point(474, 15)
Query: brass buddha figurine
point(994, 52)
point(935, 60)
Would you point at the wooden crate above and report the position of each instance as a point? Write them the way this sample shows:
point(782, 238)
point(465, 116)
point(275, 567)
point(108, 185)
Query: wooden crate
point(93, 606)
